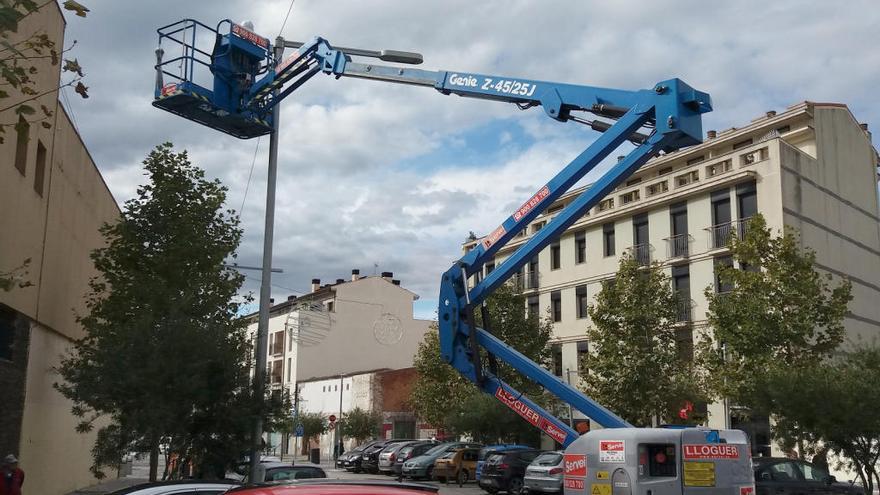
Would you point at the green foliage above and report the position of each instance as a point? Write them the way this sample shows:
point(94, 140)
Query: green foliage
point(313, 424)
point(779, 312)
point(360, 424)
point(445, 399)
point(833, 402)
point(165, 357)
point(636, 368)
point(22, 56)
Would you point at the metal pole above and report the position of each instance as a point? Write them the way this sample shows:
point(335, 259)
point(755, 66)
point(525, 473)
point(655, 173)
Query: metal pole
point(265, 285)
point(339, 438)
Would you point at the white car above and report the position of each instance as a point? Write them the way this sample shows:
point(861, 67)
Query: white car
point(188, 487)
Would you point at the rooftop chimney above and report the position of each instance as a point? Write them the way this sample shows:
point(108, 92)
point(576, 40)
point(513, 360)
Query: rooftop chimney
point(340, 280)
point(711, 134)
point(355, 274)
point(864, 126)
point(388, 275)
point(316, 284)
point(291, 298)
point(771, 113)
point(271, 300)
point(395, 282)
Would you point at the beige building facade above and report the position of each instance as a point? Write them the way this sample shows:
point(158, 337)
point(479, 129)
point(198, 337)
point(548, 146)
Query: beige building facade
point(811, 167)
point(52, 202)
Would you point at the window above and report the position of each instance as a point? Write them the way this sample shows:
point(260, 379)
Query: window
point(719, 168)
point(747, 200)
point(40, 170)
point(489, 267)
point(722, 285)
point(782, 471)
point(583, 354)
point(606, 204)
point(556, 305)
point(580, 246)
point(661, 459)
point(557, 359)
point(580, 296)
point(608, 239)
point(687, 178)
point(537, 227)
point(678, 217)
point(7, 333)
point(783, 129)
point(812, 473)
point(22, 129)
point(629, 197)
point(681, 284)
point(336, 388)
point(660, 187)
point(664, 171)
point(533, 306)
point(554, 256)
point(742, 144)
point(641, 246)
point(331, 307)
point(721, 228)
point(532, 281)
point(323, 389)
point(347, 386)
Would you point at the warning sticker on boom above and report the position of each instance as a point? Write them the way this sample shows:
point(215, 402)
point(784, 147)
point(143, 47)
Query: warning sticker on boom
point(699, 473)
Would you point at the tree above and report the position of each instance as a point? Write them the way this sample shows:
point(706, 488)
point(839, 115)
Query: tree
point(21, 57)
point(360, 424)
point(442, 397)
point(779, 312)
point(636, 368)
point(832, 403)
point(313, 424)
point(165, 357)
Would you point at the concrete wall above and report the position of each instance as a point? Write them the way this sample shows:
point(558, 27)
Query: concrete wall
point(351, 345)
point(56, 227)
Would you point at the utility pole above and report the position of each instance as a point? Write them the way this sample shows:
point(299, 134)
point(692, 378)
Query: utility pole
point(265, 285)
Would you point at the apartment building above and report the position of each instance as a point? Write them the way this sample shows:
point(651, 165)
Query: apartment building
point(811, 167)
point(345, 330)
point(52, 202)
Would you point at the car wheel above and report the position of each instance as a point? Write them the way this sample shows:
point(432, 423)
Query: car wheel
point(515, 487)
point(462, 476)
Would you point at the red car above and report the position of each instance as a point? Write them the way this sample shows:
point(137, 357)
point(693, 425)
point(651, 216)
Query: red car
point(338, 487)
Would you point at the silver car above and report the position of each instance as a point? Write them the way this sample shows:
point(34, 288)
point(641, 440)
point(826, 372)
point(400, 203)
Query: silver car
point(388, 456)
point(544, 474)
point(178, 488)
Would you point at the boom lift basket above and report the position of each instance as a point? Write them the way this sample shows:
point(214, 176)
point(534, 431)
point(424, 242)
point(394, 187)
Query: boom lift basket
point(234, 60)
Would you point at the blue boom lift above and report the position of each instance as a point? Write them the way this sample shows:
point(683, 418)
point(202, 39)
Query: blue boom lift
point(246, 82)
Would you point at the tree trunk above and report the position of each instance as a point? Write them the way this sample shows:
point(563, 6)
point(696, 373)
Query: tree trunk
point(154, 459)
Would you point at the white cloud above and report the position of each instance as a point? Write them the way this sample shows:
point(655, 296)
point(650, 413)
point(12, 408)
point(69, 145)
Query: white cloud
point(346, 199)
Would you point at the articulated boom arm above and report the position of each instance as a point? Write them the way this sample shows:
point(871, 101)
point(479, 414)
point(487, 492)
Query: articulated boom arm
point(671, 110)
point(240, 104)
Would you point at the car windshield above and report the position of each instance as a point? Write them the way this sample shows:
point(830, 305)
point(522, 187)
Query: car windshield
point(437, 449)
point(547, 459)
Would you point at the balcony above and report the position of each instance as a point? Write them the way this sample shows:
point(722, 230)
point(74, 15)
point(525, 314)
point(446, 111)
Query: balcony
point(720, 235)
point(642, 253)
point(685, 310)
point(679, 246)
point(526, 281)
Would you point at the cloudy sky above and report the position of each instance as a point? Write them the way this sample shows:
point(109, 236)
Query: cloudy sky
point(385, 177)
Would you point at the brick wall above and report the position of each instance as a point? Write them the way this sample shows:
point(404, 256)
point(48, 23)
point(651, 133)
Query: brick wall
point(396, 388)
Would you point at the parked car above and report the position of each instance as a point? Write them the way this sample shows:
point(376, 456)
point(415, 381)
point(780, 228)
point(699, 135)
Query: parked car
point(783, 476)
point(370, 461)
point(458, 465)
point(544, 474)
point(411, 451)
point(186, 487)
point(423, 465)
point(352, 459)
point(504, 471)
point(347, 487)
point(389, 455)
point(270, 472)
point(488, 450)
